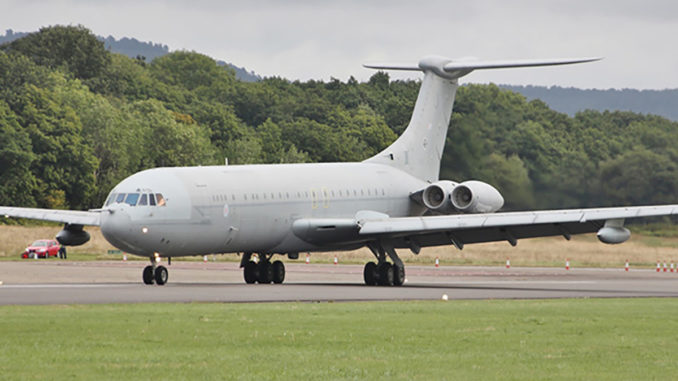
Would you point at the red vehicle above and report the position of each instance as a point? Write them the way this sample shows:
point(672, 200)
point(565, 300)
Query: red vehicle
point(42, 248)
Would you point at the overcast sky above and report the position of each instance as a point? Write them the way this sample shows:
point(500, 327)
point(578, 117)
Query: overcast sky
point(307, 39)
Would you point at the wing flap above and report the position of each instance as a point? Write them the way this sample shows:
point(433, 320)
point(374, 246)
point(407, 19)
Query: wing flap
point(491, 234)
point(473, 228)
point(55, 215)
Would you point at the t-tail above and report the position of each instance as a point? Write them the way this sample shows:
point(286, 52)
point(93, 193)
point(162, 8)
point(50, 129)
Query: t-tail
point(419, 149)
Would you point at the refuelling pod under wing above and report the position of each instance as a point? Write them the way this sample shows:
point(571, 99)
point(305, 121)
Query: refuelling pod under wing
point(613, 232)
point(72, 235)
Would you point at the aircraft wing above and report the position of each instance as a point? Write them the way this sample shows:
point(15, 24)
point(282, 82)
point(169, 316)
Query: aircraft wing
point(461, 229)
point(73, 217)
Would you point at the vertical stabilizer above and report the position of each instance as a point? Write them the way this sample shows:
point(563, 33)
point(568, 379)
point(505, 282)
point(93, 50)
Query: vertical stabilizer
point(419, 149)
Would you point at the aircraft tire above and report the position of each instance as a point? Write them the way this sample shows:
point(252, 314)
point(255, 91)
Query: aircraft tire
point(161, 275)
point(385, 274)
point(148, 275)
point(370, 274)
point(265, 272)
point(250, 272)
point(398, 275)
point(278, 269)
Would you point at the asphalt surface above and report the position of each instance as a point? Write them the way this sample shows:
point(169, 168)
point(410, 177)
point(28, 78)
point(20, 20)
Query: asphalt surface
point(63, 282)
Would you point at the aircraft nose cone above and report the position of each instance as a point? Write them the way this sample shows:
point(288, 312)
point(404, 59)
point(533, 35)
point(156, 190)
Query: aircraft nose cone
point(115, 226)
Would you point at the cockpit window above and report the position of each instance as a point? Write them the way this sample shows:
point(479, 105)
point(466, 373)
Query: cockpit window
point(110, 199)
point(151, 199)
point(132, 199)
point(160, 199)
point(120, 197)
point(144, 199)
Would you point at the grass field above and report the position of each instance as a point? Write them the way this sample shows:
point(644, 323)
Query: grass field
point(642, 250)
point(538, 339)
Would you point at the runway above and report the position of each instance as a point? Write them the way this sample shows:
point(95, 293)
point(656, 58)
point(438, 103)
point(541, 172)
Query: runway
point(62, 282)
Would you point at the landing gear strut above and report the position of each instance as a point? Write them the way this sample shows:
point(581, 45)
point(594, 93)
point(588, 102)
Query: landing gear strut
point(384, 273)
point(263, 272)
point(155, 274)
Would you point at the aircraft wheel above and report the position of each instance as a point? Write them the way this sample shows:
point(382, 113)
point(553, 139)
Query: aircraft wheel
point(250, 272)
point(161, 275)
point(398, 275)
point(385, 274)
point(148, 275)
point(370, 274)
point(265, 272)
point(278, 269)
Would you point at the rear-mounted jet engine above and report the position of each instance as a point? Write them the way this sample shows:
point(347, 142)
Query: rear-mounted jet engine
point(471, 196)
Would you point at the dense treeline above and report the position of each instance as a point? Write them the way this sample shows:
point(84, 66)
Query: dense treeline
point(76, 119)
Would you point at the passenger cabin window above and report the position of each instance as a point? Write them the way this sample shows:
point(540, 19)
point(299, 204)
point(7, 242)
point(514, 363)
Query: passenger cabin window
point(132, 199)
point(143, 200)
point(159, 199)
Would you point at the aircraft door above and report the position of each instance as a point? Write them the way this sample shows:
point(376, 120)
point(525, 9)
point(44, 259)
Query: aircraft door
point(231, 223)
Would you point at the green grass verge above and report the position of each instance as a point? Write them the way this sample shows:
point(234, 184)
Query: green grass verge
point(540, 339)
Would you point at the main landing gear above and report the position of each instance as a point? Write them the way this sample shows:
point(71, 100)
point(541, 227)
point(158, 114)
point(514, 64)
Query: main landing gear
point(262, 272)
point(384, 273)
point(155, 274)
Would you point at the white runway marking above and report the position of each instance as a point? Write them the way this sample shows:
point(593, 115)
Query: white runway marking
point(512, 282)
point(61, 285)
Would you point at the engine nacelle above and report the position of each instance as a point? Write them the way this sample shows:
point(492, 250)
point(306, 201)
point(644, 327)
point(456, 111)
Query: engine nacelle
point(476, 197)
point(436, 197)
point(613, 234)
point(72, 235)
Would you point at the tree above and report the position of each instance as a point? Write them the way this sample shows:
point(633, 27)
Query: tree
point(639, 177)
point(195, 72)
point(16, 157)
point(64, 162)
point(510, 177)
point(73, 48)
point(176, 140)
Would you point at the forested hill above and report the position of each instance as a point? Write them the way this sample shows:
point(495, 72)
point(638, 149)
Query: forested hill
point(571, 100)
point(75, 119)
point(133, 48)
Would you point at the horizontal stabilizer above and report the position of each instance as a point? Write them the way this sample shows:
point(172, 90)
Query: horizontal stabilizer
point(476, 65)
point(455, 68)
point(392, 66)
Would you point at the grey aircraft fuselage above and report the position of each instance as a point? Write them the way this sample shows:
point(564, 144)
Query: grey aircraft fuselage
point(235, 208)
